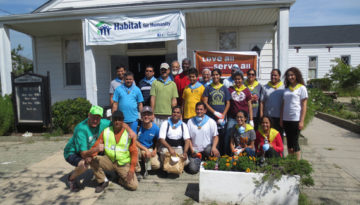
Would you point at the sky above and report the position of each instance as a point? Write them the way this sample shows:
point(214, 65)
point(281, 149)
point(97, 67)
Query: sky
point(302, 13)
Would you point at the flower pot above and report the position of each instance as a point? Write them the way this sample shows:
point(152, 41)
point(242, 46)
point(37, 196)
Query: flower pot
point(241, 187)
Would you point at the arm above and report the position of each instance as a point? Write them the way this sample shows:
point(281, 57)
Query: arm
point(140, 106)
point(214, 150)
point(208, 107)
point(111, 99)
point(232, 147)
point(186, 147)
point(173, 102)
point(261, 109)
point(95, 149)
point(114, 107)
point(131, 133)
point(250, 110)
point(227, 107)
point(281, 113)
point(152, 102)
point(277, 144)
point(134, 156)
point(303, 113)
point(143, 148)
point(252, 145)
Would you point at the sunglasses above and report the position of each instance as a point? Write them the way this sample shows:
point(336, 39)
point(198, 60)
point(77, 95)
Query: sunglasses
point(251, 74)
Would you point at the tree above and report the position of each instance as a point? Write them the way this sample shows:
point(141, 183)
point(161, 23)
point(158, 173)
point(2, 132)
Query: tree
point(20, 64)
point(345, 75)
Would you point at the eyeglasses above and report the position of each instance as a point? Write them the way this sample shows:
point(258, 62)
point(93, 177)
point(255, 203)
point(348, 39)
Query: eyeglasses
point(251, 74)
point(149, 71)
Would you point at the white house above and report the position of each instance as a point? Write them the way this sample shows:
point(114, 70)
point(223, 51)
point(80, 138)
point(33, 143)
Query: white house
point(312, 49)
point(81, 55)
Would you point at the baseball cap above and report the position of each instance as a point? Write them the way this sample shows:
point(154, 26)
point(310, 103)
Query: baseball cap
point(164, 65)
point(235, 67)
point(146, 109)
point(118, 114)
point(96, 110)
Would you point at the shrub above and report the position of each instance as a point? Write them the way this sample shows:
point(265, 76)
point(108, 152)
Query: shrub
point(68, 113)
point(6, 115)
point(321, 83)
point(345, 75)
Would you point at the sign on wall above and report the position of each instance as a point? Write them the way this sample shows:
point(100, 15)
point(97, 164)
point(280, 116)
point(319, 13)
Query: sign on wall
point(112, 30)
point(225, 61)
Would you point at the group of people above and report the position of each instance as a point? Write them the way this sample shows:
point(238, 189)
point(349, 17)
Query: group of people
point(178, 115)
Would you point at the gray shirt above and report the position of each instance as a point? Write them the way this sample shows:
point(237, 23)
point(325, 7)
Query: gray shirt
point(272, 100)
point(113, 85)
point(242, 139)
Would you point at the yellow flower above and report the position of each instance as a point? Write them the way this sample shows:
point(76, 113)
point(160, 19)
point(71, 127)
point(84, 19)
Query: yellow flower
point(227, 160)
point(247, 170)
point(254, 159)
point(227, 164)
point(244, 154)
point(250, 157)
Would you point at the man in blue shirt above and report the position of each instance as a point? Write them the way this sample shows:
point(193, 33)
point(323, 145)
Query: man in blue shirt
point(128, 99)
point(146, 82)
point(148, 134)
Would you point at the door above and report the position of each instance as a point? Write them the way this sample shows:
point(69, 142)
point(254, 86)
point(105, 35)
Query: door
point(137, 65)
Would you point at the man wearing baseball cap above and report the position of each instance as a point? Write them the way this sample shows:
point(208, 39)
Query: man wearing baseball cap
point(148, 135)
point(77, 150)
point(228, 82)
point(163, 95)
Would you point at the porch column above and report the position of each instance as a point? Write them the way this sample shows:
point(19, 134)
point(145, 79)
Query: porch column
point(5, 60)
point(283, 38)
point(181, 44)
point(90, 70)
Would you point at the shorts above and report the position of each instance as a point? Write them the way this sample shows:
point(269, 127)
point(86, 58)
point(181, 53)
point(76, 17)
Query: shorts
point(292, 132)
point(74, 159)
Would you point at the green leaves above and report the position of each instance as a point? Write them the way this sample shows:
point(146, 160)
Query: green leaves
point(6, 115)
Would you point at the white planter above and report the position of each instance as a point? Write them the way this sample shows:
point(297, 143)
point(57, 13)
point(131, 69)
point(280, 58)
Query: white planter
point(239, 187)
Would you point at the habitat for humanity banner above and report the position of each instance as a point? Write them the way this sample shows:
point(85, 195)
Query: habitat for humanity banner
point(112, 30)
point(225, 61)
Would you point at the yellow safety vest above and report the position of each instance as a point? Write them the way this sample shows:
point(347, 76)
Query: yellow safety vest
point(117, 151)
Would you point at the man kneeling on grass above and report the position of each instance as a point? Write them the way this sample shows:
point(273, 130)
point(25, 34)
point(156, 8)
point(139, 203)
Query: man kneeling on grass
point(120, 154)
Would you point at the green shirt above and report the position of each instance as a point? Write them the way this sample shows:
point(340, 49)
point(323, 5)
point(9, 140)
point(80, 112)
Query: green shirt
point(163, 96)
point(84, 137)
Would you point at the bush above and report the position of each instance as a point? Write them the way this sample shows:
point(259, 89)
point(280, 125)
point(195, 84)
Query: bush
point(6, 115)
point(345, 75)
point(321, 83)
point(67, 114)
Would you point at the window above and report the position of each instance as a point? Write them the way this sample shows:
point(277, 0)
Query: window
point(312, 67)
point(72, 63)
point(227, 41)
point(345, 60)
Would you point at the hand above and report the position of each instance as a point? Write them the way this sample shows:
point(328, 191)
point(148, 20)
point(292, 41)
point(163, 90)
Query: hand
point(132, 135)
point(88, 160)
point(219, 115)
point(254, 98)
point(129, 176)
point(172, 152)
point(185, 156)
point(153, 153)
point(147, 154)
point(82, 164)
point(251, 123)
point(301, 125)
point(215, 152)
point(100, 147)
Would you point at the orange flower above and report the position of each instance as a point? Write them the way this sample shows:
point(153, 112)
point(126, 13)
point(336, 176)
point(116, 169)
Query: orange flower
point(227, 160)
point(234, 163)
point(204, 164)
point(227, 164)
point(254, 158)
point(236, 157)
point(247, 170)
point(240, 154)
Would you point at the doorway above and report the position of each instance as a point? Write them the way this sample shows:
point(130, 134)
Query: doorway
point(137, 65)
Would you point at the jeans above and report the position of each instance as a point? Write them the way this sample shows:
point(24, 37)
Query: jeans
point(230, 124)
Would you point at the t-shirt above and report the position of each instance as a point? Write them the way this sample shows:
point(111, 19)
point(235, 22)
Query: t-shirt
point(258, 90)
point(174, 134)
point(146, 136)
point(239, 101)
point(163, 96)
point(191, 97)
point(216, 99)
point(84, 137)
point(272, 100)
point(228, 82)
point(202, 137)
point(145, 88)
point(113, 85)
point(292, 103)
point(128, 102)
point(181, 81)
point(240, 140)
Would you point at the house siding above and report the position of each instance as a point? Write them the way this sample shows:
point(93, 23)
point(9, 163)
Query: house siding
point(324, 57)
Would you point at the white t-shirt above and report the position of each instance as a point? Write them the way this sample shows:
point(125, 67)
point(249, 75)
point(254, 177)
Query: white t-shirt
point(228, 82)
point(202, 137)
point(292, 103)
point(272, 100)
point(173, 134)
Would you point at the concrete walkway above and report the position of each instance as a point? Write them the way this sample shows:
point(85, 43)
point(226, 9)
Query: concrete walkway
point(335, 155)
point(34, 172)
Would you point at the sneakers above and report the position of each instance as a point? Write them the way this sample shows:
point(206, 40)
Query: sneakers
point(146, 174)
point(73, 186)
point(139, 176)
point(101, 187)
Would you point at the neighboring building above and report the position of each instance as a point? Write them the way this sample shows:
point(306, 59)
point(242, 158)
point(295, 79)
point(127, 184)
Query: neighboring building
point(312, 49)
point(81, 56)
